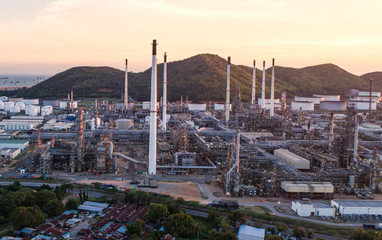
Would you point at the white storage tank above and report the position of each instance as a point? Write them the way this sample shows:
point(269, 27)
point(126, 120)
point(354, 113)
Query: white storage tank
point(46, 110)
point(124, 124)
point(8, 105)
point(4, 98)
point(15, 109)
point(54, 103)
point(31, 101)
point(21, 105)
point(32, 111)
point(305, 106)
point(1, 105)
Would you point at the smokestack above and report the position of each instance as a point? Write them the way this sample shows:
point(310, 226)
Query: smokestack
point(164, 112)
point(331, 132)
point(126, 99)
point(153, 114)
point(71, 99)
point(272, 110)
point(263, 88)
point(355, 150)
point(253, 99)
point(238, 151)
point(228, 91)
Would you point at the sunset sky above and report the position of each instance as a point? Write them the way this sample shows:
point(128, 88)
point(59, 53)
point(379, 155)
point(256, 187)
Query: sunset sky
point(49, 36)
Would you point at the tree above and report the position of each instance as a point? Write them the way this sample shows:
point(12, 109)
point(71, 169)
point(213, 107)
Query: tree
point(360, 234)
point(44, 186)
point(181, 224)
point(30, 199)
point(281, 227)
point(72, 204)
point(214, 218)
point(156, 212)
point(27, 217)
point(154, 235)
point(214, 235)
point(53, 208)
point(43, 197)
point(298, 232)
point(235, 217)
point(309, 234)
point(15, 186)
point(7, 204)
point(135, 228)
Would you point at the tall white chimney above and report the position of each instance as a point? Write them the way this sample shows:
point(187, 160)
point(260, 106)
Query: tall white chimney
point(272, 110)
point(164, 112)
point(126, 88)
point(153, 114)
point(227, 107)
point(253, 99)
point(263, 88)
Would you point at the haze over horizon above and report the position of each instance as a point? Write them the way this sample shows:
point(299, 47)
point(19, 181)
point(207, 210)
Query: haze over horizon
point(49, 36)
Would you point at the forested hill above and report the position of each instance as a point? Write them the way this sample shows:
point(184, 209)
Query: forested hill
point(201, 78)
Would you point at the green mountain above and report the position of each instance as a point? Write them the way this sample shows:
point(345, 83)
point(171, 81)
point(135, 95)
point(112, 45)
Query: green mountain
point(201, 78)
point(377, 79)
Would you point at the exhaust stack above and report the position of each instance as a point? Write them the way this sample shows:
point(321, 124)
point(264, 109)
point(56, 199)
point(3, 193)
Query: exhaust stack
point(227, 107)
point(272, 110)
point(126, 88)
point(238, 151)
point(263, 88)
point(164, 112)
point(153, 114)
point(253, 99)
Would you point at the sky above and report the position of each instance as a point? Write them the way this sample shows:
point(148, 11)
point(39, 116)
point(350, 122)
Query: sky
point(50, 36)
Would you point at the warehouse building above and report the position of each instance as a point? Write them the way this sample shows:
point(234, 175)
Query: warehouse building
point(333, 105)
point(197, 107)
point(318, 209)
point(315, 100)
point(328, 97)
point(312, 190)
point(347, 208)
point(304, 106)
point(250, 233)
point(291, 159)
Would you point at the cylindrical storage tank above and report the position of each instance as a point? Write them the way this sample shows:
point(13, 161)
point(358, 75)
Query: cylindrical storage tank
point(333, 105)
point(15, 100)
point(31, 101)
point(1, 105)
point(15, 109)
point(46, 110)
point(54, 103)
point(8, 105)
point(4, 98)
point(32, 110)
point(124, 124)
point(21, 105)
point(63, 104)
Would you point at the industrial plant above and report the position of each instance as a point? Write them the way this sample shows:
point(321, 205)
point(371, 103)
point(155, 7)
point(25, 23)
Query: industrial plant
point(310, 147)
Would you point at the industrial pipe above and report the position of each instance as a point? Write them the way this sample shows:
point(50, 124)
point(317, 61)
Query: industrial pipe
point(253, 99)
point(227, 101)
point(272, 110)
point(164, 112)
point(263, 88)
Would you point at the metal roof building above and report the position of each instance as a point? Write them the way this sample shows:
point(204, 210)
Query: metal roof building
point(359, 207)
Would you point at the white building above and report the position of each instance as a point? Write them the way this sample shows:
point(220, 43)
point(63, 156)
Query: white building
point(291, 159)
point(315, 100)
point(362, 105)
point(250, 233)
point(31, 101)
point(328, 97)
point(10, 152)
point(359, 207)
point(147, 105)
point(305, 106)
point(197, 107)
point(64, 104)
point(319, 209)
point(13, 144)
point(333, 105)
point(221, 106)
